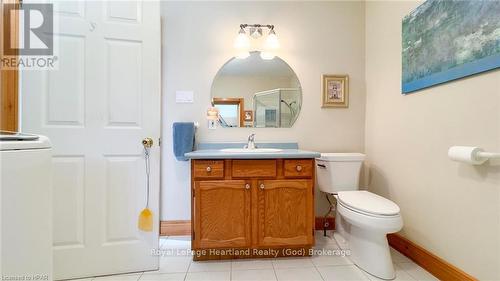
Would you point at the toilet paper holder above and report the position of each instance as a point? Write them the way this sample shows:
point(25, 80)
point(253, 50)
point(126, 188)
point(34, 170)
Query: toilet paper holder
point(471, 154)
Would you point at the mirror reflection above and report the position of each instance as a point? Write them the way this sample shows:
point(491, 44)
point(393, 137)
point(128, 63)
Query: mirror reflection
point(259, 93)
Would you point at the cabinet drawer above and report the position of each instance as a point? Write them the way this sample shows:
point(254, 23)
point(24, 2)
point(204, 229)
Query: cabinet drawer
point(213, 169)
point(298, 168)
point(254, 169)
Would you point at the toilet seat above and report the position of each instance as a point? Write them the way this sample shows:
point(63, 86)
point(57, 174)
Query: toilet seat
point(368, 203)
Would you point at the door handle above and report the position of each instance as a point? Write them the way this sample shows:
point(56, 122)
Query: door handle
point(247, 186)
point(147, 142)
point(262, 186)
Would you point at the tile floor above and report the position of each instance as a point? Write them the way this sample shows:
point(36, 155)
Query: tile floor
point(304, 269)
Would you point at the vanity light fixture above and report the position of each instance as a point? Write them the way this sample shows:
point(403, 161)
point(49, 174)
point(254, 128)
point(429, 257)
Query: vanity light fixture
point(242, 42)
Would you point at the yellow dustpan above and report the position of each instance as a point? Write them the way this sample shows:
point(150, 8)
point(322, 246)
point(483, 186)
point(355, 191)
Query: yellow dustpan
point(145, 222)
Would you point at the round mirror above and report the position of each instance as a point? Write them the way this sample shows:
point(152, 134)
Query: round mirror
point(253, 92)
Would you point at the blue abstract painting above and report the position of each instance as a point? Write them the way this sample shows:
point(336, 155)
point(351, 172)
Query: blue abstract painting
point(444, 40)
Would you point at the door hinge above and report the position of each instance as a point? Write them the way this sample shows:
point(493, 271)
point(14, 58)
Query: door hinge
point(20, 3)
point(159, 141)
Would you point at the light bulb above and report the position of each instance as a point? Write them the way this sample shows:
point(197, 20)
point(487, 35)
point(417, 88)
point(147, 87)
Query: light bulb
point(272, 42)
point(270, 46)
point(242, 42)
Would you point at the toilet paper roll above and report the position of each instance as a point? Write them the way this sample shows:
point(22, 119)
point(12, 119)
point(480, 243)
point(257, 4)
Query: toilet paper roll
point(466, 154)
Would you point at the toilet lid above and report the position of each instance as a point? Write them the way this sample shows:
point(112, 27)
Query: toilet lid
point(368, 202)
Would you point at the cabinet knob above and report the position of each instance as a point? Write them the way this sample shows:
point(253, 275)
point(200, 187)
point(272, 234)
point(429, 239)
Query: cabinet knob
point(298, 168)
point(262, 186)
point(209, 169)
point(247, 186)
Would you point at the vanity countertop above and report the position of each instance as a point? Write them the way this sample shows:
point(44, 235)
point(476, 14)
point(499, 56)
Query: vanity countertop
point(216, 151)
point(219, 154)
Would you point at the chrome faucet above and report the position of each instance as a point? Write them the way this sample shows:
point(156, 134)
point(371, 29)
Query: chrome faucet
point(251, 142)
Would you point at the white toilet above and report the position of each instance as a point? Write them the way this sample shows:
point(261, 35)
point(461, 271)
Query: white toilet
point(363, 219)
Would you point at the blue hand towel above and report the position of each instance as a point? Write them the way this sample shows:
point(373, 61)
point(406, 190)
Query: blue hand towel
point(183, 133)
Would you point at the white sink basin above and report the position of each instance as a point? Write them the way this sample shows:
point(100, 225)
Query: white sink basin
point(255, 150)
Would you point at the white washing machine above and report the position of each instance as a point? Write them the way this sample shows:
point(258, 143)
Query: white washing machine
point(25, 207)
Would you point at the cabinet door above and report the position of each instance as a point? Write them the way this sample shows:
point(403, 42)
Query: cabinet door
point(285, 212)
point(222, 214)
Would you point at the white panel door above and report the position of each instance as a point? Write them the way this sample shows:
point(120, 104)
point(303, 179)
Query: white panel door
point(96, 109)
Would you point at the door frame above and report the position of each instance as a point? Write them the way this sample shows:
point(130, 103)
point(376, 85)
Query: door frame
point(240, 102)
point(9, 79)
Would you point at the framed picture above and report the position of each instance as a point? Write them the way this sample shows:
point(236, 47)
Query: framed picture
point(439, 46)
point(335, 91)
point(248, 117)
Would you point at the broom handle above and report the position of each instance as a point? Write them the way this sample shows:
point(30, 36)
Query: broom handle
point(146, 159)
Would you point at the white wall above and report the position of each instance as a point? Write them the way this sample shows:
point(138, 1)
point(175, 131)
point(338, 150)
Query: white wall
point(451, 209)
point(316, 37)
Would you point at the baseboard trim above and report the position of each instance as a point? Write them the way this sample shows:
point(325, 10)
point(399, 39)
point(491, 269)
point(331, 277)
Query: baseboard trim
point(175, 228)
point(427, 260)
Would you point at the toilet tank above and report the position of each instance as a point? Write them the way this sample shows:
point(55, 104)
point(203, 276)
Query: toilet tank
point(338, 171)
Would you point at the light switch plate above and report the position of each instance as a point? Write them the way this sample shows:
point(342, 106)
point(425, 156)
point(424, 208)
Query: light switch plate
point(184, 96)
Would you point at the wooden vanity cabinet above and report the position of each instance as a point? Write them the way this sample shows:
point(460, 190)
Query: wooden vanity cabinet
point(252, 204)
